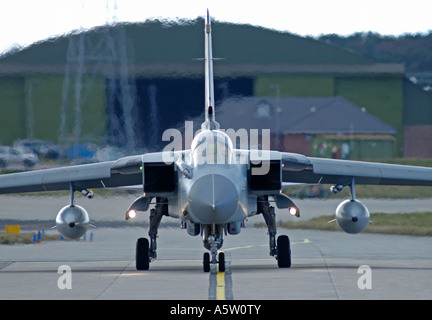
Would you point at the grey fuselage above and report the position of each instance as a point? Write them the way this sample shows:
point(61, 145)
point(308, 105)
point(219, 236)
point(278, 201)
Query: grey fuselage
point(212, 182)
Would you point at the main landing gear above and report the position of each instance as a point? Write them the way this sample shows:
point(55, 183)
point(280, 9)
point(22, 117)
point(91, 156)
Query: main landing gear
point(279, 249)
point(145, 251)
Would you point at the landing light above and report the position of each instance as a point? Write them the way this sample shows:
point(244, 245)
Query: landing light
point(292, 211)
point(131, 214)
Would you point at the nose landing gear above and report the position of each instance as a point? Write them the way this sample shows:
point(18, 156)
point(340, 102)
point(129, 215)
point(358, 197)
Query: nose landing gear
point(213, 240)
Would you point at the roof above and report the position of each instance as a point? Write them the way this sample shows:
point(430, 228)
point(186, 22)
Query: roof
point(160, 47)
point(332, 115)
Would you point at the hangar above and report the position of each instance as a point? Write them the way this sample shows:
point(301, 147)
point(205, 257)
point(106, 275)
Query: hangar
point(124, 84)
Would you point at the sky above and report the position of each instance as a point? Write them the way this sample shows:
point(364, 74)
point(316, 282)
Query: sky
point(24, 22)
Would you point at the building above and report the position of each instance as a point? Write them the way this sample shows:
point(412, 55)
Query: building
point(320, 127)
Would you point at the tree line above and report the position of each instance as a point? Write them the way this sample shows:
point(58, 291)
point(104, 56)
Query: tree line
point(413, 50)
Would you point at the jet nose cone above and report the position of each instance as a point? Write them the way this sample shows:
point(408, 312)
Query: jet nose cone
point(213, 198)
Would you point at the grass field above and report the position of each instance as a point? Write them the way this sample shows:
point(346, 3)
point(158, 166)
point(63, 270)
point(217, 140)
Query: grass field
point(414, 224)
point(24, 238)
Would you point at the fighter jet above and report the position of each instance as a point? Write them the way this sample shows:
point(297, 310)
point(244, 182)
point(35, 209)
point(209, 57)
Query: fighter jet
point(212, 188)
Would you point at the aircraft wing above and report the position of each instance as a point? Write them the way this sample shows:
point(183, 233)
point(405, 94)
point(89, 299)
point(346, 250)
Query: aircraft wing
point(301, 169)
point(123, 172)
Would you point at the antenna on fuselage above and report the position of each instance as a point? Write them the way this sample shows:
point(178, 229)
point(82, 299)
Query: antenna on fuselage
point(210, 122)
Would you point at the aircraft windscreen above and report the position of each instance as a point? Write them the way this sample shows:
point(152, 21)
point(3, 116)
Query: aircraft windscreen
point(212, 147)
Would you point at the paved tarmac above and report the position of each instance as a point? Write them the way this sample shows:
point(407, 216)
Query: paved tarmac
point(325, 265)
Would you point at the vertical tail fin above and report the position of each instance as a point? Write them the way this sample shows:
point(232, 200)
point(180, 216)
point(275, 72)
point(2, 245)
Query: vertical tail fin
point(210, 122)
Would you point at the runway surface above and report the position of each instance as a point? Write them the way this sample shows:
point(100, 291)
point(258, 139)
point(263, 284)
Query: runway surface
point(325, 265)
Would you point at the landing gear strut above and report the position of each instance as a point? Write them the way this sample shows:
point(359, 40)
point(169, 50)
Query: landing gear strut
point(213, 240)
point(281, 249)
point(145, 252)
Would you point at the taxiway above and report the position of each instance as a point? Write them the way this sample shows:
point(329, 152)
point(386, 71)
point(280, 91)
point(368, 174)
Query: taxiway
point(325, 266)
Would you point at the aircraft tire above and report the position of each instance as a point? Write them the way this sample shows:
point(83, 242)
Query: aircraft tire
point(221, 262)
point(142, 259)
point(283, 252)
point(206, 262)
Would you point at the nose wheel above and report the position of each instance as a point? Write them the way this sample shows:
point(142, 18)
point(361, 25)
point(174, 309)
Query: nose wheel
point(220, 262)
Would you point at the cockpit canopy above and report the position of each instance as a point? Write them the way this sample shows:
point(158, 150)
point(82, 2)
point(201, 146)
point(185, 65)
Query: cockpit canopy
point(212, 147)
